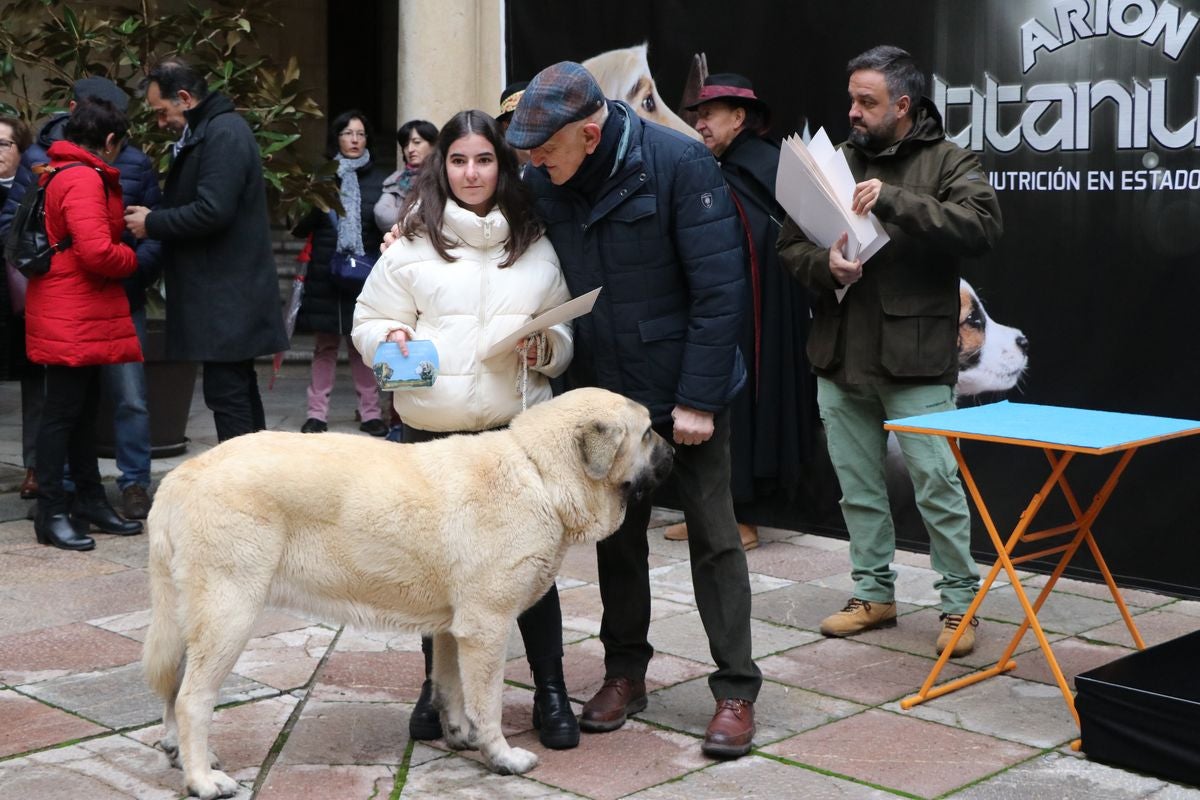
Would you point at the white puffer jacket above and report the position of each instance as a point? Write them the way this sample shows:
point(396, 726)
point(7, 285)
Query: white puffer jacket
point(464, 307)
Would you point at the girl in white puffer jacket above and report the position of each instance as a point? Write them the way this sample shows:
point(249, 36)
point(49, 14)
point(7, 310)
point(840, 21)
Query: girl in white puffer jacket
point(469, 266)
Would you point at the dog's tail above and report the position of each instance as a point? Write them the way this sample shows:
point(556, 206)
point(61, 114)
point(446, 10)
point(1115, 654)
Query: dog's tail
point(164, 650)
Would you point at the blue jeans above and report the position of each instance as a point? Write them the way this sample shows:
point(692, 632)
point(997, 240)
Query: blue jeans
point(125, 384)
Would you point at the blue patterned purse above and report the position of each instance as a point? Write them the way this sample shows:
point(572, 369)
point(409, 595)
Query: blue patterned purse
point(393, 371)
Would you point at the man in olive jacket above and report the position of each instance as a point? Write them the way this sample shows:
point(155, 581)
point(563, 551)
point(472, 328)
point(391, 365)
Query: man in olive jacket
point(223, 301)
point(888, 347)
point(644, 212)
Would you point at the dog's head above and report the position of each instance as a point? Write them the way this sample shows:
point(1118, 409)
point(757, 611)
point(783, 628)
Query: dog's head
point(991, 357)
point(625, 75)
point(596, 452)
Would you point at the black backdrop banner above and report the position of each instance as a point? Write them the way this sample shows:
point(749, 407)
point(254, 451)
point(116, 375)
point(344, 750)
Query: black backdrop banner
point(1084, 113)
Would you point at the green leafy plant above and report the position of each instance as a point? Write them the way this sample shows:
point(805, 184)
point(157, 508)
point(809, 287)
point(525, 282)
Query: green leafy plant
point(46, 45)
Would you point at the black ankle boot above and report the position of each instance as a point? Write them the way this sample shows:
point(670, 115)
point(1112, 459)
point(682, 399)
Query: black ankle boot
point(56, 530)
point(96, 511)
point(552, 715)
point(425, 724)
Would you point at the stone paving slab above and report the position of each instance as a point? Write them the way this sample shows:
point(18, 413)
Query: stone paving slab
point(53, 652)
point(1072, 778)
point(606, 766)
point(1155, 626)
point(674, 582)
point(108, 768)
point(780, 711)
point(756, 777)
point(795, 562)
point(320, 782)
point(79, 599)
point(583, 668)
point(853, 671)
point(1137, 598)
point(1009, 708)
point(32, 563)
point(1061, 613)
point(30, 725)
point(901, 753)
point(683, 635)
point(370, 677)
point(348, 733)
point(581, 605)
point(1073, 656)
point(452, 776)
point(120, 698)
point(241, 736)
point(914, 585)
point(284, 660)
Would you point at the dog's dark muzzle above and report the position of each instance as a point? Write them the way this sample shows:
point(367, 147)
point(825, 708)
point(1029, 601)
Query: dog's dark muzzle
point(662, 457)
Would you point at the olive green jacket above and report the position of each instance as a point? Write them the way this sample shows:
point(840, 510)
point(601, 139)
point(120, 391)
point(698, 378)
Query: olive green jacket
point(899, 322)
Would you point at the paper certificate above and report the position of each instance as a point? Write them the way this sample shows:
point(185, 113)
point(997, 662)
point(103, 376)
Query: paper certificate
point(569, 310)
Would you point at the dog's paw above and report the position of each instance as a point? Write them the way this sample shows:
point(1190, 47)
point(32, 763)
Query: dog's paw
point(513, 761)
point(213, 785)
point(457, 738)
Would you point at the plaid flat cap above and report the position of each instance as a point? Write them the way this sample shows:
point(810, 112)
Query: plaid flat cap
point(558, 95)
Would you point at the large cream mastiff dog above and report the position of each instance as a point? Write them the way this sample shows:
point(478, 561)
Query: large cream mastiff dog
point(453, 538)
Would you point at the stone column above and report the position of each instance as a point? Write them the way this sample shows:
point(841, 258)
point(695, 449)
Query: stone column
point(450, 57)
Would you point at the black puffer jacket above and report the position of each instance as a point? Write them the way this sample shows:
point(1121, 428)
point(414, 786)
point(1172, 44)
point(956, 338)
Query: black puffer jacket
point(327, 307)
point(664, 241)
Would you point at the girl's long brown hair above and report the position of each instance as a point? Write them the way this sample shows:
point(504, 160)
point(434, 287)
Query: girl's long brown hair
point(424, 207)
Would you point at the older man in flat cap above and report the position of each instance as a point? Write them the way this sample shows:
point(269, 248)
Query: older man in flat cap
point(644, 212)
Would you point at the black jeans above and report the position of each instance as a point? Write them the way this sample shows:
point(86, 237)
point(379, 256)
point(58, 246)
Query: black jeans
point(541, 623)
point(721, 580)
point(68, 433)
point(231, 393)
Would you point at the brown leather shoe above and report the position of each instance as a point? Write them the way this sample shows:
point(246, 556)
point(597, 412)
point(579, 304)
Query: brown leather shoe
point(749, 534)
point(676, 532)
point(29, 487)
point(731, 730)
point(608, 708)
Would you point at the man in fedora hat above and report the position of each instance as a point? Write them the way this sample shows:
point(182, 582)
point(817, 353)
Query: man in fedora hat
point(644, 212)
point(773, 419)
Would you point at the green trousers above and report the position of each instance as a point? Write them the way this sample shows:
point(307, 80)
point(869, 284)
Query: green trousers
point(853, 417)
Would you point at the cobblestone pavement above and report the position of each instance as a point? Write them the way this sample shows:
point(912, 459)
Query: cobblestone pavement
point(314, 711)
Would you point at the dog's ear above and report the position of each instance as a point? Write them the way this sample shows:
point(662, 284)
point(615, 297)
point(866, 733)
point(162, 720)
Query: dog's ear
point(598, 444)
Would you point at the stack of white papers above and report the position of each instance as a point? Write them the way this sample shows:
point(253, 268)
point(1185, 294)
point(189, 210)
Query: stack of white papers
point(815, 186)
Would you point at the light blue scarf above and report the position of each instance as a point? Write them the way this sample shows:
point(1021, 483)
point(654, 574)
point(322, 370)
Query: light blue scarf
point(349, 226)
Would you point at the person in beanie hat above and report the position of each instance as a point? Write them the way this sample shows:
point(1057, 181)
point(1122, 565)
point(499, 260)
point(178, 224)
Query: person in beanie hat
point(774, 419)
point(644, 212)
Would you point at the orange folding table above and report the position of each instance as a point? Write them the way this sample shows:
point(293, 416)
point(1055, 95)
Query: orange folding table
point(1061, 433)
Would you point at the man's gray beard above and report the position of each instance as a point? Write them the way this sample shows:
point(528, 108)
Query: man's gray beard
point(861, 139)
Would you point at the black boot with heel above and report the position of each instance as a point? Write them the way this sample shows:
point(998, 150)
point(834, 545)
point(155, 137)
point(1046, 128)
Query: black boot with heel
point(552, 715)
point(57, 530)
point(425, 724)
point(93, 508)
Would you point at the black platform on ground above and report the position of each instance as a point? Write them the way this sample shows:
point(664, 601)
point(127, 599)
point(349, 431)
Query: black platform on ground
point(1142, 711)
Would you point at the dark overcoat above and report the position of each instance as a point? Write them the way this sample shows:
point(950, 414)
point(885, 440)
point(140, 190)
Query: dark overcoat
point(223, 300)
point(773, 420)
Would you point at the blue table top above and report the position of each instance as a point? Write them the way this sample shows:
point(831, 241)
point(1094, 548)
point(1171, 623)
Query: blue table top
point(1068, 428)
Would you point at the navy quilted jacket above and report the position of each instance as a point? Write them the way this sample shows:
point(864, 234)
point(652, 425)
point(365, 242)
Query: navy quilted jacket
point(139, 186)
point(663, 239)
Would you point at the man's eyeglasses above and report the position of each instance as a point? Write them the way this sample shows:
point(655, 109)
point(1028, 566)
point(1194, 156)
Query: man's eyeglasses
point(349, 134)
point(5, 144)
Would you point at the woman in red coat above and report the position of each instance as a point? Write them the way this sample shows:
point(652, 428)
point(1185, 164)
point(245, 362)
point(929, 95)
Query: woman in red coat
point(77, 318)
